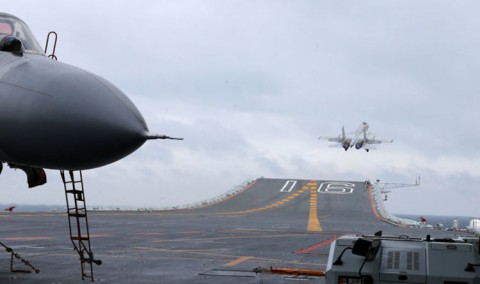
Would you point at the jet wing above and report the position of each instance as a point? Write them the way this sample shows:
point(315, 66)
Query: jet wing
point(331, 139)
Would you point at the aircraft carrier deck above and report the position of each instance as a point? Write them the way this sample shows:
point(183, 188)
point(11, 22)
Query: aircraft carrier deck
point(270, 223)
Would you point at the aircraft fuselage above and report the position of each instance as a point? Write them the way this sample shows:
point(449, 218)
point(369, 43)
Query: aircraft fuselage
point(57, 116)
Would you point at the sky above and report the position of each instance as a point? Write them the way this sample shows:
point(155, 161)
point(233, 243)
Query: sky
point(251, 85)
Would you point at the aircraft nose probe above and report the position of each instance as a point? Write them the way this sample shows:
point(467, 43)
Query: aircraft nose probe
point(157, 136)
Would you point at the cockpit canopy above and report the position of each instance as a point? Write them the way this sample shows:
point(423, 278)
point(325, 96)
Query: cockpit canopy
point(13, 26)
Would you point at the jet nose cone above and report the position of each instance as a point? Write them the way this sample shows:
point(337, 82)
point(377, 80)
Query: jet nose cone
point(107, 122)
point(94, 102)
point(78, 119)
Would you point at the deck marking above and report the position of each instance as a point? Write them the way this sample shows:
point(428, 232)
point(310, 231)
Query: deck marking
point(238, 261)
point(316, 246)
point(27, 238)
point(336, 187)
point(100, 235)
point(278, 203)
point(190, 232)
point(146, 233)
point(313, 223)
point(213, 239)
point(292, 184)
point(213, 256)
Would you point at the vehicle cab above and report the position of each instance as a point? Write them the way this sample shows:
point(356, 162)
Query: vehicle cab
point(376, 259)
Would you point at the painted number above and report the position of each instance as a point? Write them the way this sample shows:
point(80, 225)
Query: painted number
point(336, 187)
point(288, 186)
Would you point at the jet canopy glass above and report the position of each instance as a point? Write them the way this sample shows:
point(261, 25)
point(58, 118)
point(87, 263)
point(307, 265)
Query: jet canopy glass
point(13, 26)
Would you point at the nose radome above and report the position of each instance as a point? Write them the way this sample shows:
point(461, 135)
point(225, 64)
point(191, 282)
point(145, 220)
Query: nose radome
point(100, 115)
point(91, 97)
point(86, 121)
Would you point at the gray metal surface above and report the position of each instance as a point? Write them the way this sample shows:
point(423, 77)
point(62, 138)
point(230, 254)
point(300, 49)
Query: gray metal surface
point(220, 243)
point(58, 116)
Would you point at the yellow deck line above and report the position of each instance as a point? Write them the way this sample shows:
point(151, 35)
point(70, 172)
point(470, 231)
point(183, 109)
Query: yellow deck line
point(313, 223)
point(238, 261)
point(270, 206)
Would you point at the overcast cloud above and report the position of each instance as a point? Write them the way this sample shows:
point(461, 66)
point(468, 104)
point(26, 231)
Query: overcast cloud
point(251, 85)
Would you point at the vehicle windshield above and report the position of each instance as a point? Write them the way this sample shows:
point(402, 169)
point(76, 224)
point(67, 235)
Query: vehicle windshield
point(11, 25)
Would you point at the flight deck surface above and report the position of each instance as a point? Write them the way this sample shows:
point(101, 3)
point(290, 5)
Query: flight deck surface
point(271, 223)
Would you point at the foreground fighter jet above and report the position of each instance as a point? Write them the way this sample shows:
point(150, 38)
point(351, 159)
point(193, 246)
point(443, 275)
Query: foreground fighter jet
point(57, 116)
point(360, 139)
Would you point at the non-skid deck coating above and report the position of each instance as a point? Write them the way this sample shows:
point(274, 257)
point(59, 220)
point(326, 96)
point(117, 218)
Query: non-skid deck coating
point(273, 222)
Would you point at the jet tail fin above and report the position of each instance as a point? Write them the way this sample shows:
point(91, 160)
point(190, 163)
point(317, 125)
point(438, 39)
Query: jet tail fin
point(343, 133)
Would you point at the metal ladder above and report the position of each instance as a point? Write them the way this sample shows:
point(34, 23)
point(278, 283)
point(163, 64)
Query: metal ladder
point(78, 221)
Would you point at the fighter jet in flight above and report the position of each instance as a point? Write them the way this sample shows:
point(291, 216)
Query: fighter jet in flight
point(57, 116)
point(359, 140)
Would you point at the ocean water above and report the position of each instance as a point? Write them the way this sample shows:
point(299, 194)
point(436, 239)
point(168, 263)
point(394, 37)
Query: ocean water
point(446, 221)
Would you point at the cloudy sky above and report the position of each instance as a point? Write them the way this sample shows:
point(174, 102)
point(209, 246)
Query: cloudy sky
point(251, 85)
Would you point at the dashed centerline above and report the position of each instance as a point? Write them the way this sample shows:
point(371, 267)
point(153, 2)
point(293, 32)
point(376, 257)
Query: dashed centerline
point(313, 223)
point(238, 261)
point(273, 205)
